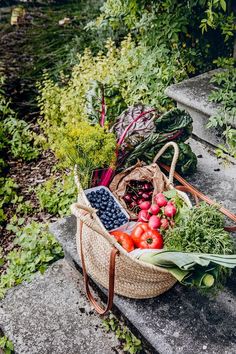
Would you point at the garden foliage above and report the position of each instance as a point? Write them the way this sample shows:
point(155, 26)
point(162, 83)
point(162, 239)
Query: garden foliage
point(149, 46)
point(56, 195)
point(36, 249)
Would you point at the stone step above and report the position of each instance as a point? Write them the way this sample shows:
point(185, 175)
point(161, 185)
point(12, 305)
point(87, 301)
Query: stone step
point(181, 320)
point(192, 96)
point(213, 177)
point(51, 315)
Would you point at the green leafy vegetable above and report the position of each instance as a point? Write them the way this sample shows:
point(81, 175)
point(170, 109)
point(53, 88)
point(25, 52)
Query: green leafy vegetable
point(201, 230)
point(197, 269)
point(173, 125)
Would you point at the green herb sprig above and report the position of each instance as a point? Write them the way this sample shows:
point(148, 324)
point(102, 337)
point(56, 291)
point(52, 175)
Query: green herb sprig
point(200, 231)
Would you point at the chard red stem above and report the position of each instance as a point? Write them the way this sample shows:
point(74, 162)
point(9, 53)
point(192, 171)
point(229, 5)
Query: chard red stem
point(105, 180)
point(123, 135)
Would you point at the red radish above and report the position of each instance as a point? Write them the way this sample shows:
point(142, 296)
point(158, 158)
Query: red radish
point(164, 224)
point(143, 216)
point(145, 205)
point(154, 209)
point(160, 200)
point(154, 222)
point(170, 210)
point(145, 196)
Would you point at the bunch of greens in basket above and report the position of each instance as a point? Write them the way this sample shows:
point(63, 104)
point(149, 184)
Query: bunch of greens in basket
point(144, 140)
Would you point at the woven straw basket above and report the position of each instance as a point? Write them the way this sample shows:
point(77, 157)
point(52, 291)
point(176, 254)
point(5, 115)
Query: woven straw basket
point(107, 262)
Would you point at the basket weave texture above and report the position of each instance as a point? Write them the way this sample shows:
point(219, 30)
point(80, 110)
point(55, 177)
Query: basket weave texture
point(133, 278)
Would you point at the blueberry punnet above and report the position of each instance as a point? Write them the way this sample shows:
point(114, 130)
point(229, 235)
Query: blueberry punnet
point(109, 212)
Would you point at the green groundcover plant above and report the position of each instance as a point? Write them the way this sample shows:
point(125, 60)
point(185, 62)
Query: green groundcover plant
point(35, 249)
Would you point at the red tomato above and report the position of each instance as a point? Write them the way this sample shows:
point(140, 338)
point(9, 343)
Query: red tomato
point(151, 239)
point(124, 240)
point(138, 231)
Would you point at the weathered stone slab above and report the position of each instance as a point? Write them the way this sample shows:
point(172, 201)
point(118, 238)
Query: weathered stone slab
point(194, 93)
point(181, 320)
point(51, 315)
point(214, 178)
point(192, 96)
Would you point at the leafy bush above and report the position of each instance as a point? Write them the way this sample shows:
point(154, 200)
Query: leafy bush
point(135, 73)
point(56, 195)
point(20, 139)
point(226, 114)
point(15, 135)
point(201, 30)
point(8, 194)
point(37, 249)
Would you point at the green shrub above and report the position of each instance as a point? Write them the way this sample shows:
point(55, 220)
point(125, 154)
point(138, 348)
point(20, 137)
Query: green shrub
point(8, 195)
point(225, 82)
point(16, 137)
point(134, 72)
point(56, 195)
point(200, 30)
point(20, 139)
point(36, 250)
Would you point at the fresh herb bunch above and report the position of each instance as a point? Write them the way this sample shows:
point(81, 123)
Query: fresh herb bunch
point(200, 231)
point(89, 147)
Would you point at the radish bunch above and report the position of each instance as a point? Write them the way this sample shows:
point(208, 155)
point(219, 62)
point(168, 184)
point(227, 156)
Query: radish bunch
point(159, 215)
point(138, 192)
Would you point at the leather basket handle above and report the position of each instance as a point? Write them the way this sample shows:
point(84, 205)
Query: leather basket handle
point(111, 286)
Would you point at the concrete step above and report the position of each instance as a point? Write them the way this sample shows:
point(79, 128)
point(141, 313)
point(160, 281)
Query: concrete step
point(51, 315)
point(181, 320)
point(192, 96)
point(213, 177)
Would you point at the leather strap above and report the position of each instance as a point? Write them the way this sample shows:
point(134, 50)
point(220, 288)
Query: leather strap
point(187, 190)
point(111, 286)
point(201, 196)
